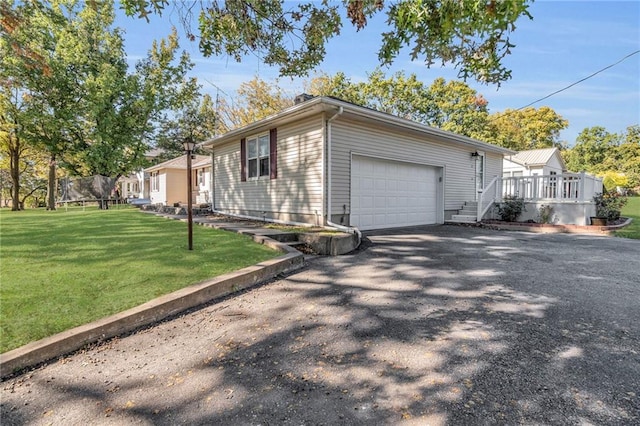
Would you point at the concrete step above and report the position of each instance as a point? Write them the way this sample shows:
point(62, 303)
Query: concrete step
point(295, 243)
point(463, 218)
point(468, 212)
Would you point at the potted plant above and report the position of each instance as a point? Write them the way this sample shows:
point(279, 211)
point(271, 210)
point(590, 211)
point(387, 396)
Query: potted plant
point(608, 207)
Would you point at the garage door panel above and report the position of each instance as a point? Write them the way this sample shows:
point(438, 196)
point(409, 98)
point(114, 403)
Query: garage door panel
point(387, 193)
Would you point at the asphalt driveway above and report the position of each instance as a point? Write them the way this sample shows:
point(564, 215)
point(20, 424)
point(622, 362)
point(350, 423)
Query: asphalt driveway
point(433, 325)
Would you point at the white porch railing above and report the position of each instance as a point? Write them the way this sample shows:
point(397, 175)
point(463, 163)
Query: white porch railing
point(487, 196)
point(562, 187)
point(558, 188)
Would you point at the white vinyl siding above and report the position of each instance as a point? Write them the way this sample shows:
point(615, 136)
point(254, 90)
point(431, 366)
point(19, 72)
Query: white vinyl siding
point(367, 139)
point(298, 188)
point(202, 185)
point(493, 166)
point(553, 165)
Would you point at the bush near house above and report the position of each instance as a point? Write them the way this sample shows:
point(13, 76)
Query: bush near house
point(511, 208)
point(609, 205)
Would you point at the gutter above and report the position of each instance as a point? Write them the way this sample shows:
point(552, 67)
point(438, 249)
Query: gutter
point(349, 229)
point(322, 103)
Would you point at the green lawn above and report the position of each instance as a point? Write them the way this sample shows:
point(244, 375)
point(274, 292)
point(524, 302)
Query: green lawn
point(632, 210)
point(62, 269)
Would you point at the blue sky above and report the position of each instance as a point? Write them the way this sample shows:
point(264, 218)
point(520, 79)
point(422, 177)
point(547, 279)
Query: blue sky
point(565, 42)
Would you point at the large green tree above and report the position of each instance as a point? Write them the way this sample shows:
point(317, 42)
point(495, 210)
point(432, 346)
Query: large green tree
point(34, 36)
point(458, 108)
point(449, 105)
point(337, 85)
point(471, 35)
point(593, 150)
point(601, 152)
point(398, 94)
point(255, 99)
point(12, 145)
point(83, 107)
point(197, 120)
point(527, 128)
point(628, 155)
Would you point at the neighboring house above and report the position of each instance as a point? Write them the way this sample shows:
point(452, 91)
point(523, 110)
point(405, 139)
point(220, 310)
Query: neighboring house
point(535, 162)
point(329, 162)
point(136, 185)
point(168, 180)
point(539, 177)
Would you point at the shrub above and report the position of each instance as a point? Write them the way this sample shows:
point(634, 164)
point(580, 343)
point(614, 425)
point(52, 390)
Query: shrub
point(613, 179)
point(609, 204)
point(545, 213)
point(511, 208)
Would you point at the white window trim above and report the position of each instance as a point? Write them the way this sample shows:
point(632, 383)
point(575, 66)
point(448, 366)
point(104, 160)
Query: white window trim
point(155, 181)
point(256, 139)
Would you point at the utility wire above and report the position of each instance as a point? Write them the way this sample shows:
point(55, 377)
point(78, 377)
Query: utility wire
point(580, 81)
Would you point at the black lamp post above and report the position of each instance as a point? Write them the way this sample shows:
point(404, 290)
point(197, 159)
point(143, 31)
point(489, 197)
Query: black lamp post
point(188, 146)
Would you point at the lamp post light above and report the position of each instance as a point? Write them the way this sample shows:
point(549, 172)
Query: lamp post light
point(188, 146)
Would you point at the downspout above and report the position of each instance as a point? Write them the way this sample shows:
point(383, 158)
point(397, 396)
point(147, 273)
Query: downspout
point(349, 229)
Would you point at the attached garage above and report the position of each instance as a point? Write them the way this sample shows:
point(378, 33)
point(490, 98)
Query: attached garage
point(349, 167)
point(386, 193)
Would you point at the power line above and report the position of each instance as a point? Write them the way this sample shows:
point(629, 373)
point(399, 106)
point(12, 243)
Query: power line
point(581, 80)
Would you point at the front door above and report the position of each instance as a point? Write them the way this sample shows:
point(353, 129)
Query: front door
point(479, 175)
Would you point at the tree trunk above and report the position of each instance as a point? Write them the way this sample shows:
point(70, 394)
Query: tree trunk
point(14, 161)
point(51, 184)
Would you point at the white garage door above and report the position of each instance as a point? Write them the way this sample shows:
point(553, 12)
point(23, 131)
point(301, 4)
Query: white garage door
point(388, 194)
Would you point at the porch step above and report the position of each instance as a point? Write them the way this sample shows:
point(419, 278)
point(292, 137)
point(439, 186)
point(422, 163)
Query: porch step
point(463, 218)
point(469, 210)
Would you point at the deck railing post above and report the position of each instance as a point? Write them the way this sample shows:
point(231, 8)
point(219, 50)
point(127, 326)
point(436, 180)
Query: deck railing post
point(559, 187)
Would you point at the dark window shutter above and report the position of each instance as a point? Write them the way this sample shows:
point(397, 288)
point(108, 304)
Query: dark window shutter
point(243, 159)
point(273, 153)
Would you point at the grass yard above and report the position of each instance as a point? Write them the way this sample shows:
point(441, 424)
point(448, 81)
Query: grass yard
point(632, 210)
point(62, 269)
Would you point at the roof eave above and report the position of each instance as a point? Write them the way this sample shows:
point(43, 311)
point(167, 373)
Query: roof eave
point(422, 128)
point(320, 104)
point(287, 114)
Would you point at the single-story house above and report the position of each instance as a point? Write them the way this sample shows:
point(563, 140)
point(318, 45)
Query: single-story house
point(135, 186)
point(168, 180)
point(540, 177)
point(534, 162)
point(325, 161)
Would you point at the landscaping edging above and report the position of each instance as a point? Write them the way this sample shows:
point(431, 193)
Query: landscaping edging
point(150, 312)
point(551, 228)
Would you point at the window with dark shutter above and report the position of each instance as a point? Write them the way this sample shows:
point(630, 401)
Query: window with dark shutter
point(257, 157)
point(243, 160)
point(273, 153)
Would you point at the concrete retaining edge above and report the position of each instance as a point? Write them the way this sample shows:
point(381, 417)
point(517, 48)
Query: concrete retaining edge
point(163, 307)
point(331, 244)
point(550, 228)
